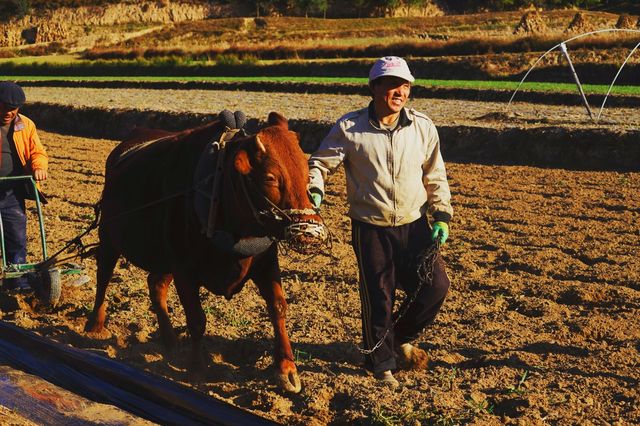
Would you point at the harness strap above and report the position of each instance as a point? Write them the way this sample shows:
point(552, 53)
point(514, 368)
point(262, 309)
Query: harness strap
point(225, 137)
point(138, 147)
point(252, 206)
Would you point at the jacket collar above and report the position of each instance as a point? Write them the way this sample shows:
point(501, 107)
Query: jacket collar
point(18, 124)
point(403, 120)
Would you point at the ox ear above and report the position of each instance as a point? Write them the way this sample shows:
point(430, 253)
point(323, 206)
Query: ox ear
point(242, 163)
point(277, 119)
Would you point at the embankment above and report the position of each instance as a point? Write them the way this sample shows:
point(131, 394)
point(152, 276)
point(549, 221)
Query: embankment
point(581, 149)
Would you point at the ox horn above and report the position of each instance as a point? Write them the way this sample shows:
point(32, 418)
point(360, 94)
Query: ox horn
point(260, 145)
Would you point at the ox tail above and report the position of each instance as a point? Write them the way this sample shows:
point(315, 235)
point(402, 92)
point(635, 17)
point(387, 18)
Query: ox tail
point(97, 211)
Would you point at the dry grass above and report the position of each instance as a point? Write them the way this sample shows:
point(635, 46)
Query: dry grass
point(433, 48)
point(285, 38)
point(316, 31)
point(6, 53)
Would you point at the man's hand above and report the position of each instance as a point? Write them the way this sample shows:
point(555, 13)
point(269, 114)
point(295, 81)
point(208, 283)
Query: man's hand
point(440, 231)
point(316, 199)
point(39, 175)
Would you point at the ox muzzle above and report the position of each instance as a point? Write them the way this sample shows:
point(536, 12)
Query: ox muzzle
point(302, 231)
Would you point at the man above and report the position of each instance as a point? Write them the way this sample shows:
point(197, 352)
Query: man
point(395, 177)
point(21, 154)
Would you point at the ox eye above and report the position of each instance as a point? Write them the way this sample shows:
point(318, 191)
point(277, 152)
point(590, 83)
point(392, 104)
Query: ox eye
point(270, 179)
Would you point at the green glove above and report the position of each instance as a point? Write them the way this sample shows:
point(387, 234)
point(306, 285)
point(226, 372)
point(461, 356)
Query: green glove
point(316, 199)
point(440, 230)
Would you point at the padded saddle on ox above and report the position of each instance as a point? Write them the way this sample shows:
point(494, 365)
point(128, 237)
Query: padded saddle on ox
point(207, 181)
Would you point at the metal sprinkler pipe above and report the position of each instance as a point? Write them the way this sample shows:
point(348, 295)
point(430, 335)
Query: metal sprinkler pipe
point(615, 79)
point(565, 52)
point(606, 30)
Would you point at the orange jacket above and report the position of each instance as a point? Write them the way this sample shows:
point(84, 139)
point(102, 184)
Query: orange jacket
point(28, 146)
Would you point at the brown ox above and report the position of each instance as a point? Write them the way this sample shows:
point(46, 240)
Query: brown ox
point(149, 217)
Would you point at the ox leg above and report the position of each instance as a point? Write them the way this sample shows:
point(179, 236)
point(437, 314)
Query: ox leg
point(158, 288)
point(106, 259)
point(196, 323)
point(287, 374)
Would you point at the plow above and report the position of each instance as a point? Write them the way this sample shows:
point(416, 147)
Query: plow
point(43, 276)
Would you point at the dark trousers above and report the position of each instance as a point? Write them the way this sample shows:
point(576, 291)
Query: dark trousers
point(387, 260)
point(14, 224)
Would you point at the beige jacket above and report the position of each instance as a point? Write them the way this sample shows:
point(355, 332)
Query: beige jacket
point(393, 178)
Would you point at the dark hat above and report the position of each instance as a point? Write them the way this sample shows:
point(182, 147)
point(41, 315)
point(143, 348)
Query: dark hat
point(11, 94)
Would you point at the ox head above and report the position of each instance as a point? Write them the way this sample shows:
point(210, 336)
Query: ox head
point(274, 175)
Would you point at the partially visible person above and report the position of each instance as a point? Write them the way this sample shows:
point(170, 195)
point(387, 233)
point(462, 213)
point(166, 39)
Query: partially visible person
point(22, 153)
point(396, 178)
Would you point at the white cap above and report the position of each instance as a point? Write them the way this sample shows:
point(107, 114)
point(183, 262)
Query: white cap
point(391, 66)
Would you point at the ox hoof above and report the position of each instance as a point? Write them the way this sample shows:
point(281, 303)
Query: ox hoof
point(412, 358)
point(289, 382)
point(170, 343)
point(98, 334)
point(197, 370)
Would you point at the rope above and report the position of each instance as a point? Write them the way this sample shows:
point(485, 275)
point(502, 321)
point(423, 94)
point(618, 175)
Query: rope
point(76, 241)
point(85, 251)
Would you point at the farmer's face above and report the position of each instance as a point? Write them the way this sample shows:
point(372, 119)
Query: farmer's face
point(390, 94)
point(7, 114)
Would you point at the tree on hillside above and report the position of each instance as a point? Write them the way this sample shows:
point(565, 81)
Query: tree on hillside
point(360, 6)
point(311, 6)
point(410, 4)
point(263, 7)
point(473, 5)
point(385, 7)
point(15, 8)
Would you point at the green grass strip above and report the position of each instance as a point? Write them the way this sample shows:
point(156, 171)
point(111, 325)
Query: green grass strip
point(459, 84)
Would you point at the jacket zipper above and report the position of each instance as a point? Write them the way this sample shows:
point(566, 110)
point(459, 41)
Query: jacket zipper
point(393, 178)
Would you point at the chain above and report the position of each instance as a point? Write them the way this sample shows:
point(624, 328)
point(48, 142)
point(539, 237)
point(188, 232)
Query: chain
point(426, 264)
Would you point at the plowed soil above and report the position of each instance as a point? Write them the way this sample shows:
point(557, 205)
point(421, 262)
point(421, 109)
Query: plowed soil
point(542, 323)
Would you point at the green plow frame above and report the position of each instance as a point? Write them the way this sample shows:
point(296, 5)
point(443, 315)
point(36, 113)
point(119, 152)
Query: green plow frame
point(44, 280)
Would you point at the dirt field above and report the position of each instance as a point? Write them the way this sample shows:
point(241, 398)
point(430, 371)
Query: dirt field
point(541, 326)
point(329, 107)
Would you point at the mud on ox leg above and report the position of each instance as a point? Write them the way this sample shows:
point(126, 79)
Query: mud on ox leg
point(158, 288)
point(188, 293)
point(106, 259)
point(286, 371)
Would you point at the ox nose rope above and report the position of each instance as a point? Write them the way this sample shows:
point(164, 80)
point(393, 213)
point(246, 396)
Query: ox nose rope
point(426, 264)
